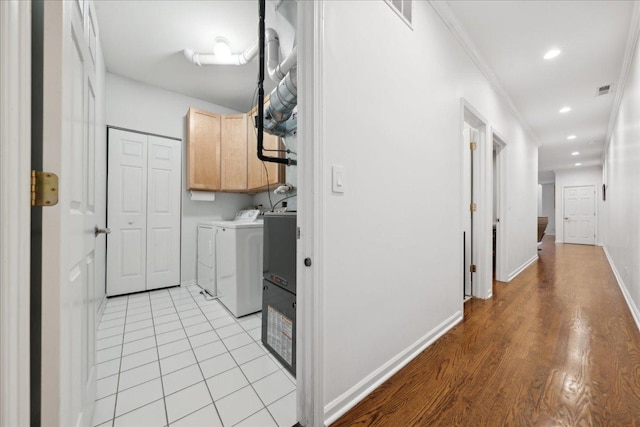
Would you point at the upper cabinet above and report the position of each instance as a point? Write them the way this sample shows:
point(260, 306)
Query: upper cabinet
point(234, 152)
point(222, 154)
point(262, 176)
point(204, 132)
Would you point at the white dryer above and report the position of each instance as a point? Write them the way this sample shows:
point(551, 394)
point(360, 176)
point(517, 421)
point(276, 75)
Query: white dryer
point(230, 266)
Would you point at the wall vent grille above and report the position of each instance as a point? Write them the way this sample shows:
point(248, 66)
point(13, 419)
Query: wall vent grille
point(403, 8)
point(603, 90)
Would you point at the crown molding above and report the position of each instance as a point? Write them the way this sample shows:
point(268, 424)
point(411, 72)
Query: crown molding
point(447, 15)
point(629, 51)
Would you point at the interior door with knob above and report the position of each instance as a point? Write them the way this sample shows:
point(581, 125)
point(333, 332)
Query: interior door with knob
point(127, 212)
point(68, 380)
point(579, 215)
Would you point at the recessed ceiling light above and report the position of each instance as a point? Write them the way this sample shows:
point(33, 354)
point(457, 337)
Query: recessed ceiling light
point(552, 54)
point(578, 164)
point(565, 109)
point(575, 153)
point(571, 137)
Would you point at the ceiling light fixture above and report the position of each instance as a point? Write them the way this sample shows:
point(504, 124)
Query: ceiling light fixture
point(221, 48)
point(578, 164)
point(571, 137)
point(564, 109)
point(552, 53)
point(575, 153)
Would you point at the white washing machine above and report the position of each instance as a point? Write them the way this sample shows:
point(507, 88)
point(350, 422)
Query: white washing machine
point(230, 261)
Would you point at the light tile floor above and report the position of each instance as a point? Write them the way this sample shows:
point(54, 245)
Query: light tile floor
point(171, 358)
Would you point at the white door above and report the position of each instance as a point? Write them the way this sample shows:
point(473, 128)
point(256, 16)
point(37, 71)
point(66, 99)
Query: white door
point(69, 263)
point(127, 212)
point(579, 215)
point(143, 248)
point(163, 212)
point(468, 174)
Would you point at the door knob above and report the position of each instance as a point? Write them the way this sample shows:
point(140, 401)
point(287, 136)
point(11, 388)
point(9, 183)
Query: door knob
point(98, 230)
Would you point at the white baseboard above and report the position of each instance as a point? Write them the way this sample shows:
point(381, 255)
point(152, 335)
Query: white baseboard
point(635, 311)
point(188, 282)
point(355, 394)
point(522, 267)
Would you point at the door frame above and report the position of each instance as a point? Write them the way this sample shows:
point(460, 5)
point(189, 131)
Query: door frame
point(595, 212)
point(502, 273)
point(15, 218)
point(482, 227)
point(310, 372)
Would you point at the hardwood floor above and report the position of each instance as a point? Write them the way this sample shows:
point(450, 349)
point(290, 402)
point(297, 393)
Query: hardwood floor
point(557, 346)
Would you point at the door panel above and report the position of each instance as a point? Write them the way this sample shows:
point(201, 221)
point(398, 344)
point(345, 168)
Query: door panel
point(68, 306)
point(579, 215)
point(126, 212)
point(163, 217)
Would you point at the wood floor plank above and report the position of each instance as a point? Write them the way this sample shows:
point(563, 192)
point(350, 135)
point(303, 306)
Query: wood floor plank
point(557, 346)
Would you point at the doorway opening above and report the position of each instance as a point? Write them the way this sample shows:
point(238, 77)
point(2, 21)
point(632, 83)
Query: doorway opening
point(499, 216)
point(476, 210)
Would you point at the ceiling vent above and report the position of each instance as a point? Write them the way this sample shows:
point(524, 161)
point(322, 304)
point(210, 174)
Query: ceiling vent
point(403, 8)
point(603, 90)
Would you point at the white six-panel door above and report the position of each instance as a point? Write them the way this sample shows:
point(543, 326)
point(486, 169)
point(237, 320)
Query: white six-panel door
point(579, 215)
point(163, 213)
point(68, 270)
point(143, 214)
point(127, 212)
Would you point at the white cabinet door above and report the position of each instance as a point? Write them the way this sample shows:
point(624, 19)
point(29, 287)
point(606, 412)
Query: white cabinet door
point(127, 212)
point(163, 213)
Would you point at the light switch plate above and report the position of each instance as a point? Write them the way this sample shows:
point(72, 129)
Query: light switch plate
point(338, 179)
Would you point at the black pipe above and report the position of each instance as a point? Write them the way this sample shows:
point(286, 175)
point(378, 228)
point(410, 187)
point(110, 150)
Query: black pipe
point(260, 126)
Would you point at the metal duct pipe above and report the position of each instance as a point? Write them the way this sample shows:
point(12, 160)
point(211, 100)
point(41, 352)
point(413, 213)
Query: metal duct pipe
point(209, 59)
point(260, 124)
point(278, 70)
point(282, 100)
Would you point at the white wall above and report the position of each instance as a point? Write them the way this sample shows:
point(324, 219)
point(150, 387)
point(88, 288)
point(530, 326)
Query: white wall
point(392, 243)
point(140, 107)
point(548, 207)
point(539, 199)
point(621, 235)
point(573, 178)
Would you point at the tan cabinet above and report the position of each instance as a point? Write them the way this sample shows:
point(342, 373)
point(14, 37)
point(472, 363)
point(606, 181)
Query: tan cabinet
point(233, 153)
point(257, 171)
point(203, 150)
point(222, 154)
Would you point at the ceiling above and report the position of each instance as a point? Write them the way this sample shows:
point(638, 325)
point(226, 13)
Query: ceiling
point(144, 40)
point(513, 37)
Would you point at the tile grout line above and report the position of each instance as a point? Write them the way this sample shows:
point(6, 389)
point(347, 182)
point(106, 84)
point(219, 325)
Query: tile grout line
point(155, 337)
point(241, 371)
point(194, 355)
point(115, 403)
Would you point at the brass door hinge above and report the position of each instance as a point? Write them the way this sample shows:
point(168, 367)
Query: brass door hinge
point(472, 268)
point(44, 188)
point(473, 146)
point(473, 207)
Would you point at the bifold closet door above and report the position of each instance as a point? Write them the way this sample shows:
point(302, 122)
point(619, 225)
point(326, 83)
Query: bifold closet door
point(163, 212)
point(127, 213)
point(143, 212)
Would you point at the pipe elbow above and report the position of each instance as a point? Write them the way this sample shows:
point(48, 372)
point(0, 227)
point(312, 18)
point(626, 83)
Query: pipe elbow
point(191, 56)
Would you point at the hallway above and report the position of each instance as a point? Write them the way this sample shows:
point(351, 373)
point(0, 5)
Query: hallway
point(556, 346)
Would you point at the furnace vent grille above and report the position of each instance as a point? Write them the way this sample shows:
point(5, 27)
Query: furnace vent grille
point(403, 8)
point(603, 90)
